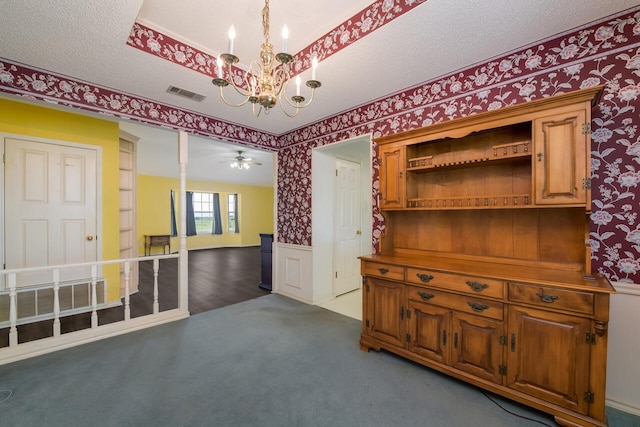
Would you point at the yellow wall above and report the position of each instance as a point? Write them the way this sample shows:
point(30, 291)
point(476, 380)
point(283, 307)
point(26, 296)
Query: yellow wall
point(154, 214)
point(26, 119)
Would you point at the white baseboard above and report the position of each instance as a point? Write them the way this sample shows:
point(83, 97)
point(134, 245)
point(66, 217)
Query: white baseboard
point(72, 339)
point(623, 407)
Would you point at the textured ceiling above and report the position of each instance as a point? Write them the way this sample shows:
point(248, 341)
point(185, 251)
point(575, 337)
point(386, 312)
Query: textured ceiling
point(86, 39)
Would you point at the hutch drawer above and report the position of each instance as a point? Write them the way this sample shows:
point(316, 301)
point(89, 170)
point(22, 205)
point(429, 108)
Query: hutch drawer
point(553, 298)
point(457, 282)
point(462, 303)
point(386, 271)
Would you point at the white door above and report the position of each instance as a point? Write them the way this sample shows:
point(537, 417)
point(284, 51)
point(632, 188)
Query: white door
point(347, 227)
point(50, 208)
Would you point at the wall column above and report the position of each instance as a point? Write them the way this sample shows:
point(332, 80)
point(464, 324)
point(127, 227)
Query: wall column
point(183, 260)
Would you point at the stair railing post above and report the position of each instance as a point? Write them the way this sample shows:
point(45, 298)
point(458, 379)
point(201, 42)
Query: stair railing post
point(56, 302)
point(13, 311)
point(156, 267)
point(94, 296)
point(127, 307)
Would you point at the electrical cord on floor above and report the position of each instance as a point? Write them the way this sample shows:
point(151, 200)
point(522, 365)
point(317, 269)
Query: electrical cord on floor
point(9, 394)
point(513, 413)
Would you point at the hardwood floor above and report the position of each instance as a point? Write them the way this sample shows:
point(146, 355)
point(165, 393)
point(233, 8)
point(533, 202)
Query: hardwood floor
point(217, 278)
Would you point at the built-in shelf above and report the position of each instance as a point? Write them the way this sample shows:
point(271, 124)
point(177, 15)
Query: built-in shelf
point(503, 201)
point(514, 150)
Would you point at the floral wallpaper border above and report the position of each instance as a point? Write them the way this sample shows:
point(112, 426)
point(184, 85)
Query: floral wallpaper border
point(33, 83)
point(606, 52)
point(355, 28)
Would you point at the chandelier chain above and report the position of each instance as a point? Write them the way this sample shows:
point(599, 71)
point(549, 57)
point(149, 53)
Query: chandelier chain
point(265, 21)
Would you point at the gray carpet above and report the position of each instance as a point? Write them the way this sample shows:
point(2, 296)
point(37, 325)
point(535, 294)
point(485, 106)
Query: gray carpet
point(270, 361)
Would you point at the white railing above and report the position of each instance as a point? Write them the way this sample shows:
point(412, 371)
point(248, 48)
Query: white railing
point(17, 350)
point(36, 301)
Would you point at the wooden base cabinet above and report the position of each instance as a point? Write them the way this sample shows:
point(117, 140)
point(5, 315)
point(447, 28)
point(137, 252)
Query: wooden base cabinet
point(562, 342)
point(484, 270)
point(549, 353)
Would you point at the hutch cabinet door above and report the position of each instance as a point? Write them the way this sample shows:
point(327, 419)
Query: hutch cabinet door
point(429, 330)
point(392, 177)
point(385, 311)
point(476, 346)
point(560, 158)
point(548, 356)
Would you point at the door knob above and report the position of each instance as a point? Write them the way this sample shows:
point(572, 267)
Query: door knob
point(358, 232)
point(89, 238)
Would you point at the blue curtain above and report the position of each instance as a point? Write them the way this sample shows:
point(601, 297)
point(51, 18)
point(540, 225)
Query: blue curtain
point(217, 222)
point(191, 218)
point(174, 228)
point(235, 211)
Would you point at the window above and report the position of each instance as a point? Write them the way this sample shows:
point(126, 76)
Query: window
point(203, 212)
point(234, 227)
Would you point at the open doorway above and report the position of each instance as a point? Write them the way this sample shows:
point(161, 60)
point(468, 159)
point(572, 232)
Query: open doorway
point(341, 218)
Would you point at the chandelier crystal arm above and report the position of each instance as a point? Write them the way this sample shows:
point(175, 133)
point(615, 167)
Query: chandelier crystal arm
point(298, 101)
point(231, 104)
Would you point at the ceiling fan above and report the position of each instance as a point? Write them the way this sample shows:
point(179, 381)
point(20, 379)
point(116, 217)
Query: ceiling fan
point(242, 162)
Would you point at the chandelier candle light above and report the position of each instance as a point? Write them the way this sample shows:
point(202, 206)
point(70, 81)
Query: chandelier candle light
point(266, 81)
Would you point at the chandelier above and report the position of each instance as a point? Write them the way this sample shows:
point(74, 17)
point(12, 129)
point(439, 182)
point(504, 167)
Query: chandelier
point(265, 83)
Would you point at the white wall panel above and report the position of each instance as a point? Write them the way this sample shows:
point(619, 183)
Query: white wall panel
point(623, 365)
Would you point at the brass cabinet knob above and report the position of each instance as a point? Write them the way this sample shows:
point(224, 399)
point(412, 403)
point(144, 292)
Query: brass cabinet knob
point(89, 238)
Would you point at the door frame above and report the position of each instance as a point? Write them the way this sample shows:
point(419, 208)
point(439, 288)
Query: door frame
point(96, 148)
point(338, 235)
point(323, 165)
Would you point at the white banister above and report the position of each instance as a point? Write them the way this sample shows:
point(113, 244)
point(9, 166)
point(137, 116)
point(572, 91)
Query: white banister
point(156, 267)
point(94, 296)
point(13, 311)
point(127, 307)
point(56, 302)
point(57, 307)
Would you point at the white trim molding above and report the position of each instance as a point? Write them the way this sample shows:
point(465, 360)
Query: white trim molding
point(72, 339)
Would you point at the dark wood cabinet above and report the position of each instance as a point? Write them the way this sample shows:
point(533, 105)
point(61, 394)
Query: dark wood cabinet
point(266, 261)
point(484, 272)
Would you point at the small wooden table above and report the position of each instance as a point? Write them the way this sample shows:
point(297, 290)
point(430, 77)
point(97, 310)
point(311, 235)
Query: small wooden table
point(163, 240)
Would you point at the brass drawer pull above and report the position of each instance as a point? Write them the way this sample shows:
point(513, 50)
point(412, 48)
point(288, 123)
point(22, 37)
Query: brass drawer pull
point(547, 298)
point(476, 306)
point(424, 277)
point(477, 287)
point(426, 296)
point(383, 270)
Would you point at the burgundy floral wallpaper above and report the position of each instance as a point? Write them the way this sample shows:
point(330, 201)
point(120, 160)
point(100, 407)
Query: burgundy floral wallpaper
point(604, 53)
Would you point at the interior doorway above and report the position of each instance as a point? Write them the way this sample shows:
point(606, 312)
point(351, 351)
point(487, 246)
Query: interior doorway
point(327, 197)
point(347, 229)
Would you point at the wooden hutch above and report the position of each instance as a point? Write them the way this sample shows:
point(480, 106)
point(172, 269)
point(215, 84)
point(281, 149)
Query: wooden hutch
point(484, 270)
